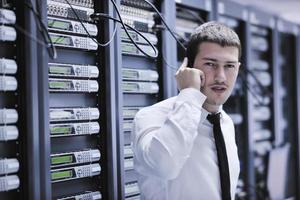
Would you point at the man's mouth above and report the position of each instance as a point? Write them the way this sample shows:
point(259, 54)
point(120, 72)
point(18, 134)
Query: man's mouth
point(218, 89)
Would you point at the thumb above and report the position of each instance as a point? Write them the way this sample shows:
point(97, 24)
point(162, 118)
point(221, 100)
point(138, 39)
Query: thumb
point(184, 63)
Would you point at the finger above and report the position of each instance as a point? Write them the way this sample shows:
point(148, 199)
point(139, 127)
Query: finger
point(202, 77)
point(184, 63)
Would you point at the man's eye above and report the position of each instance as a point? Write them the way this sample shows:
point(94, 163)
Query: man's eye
point(210, 64)
point(230, 66)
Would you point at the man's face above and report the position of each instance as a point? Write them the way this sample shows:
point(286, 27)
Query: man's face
point(220, 66)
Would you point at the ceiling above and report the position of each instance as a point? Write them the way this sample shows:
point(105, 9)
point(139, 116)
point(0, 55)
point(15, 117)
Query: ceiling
point(287, 9)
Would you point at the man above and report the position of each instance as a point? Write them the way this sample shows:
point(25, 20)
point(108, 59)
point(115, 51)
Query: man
point(177, 153)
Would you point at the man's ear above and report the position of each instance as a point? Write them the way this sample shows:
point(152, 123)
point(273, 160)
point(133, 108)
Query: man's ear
point(239, 65)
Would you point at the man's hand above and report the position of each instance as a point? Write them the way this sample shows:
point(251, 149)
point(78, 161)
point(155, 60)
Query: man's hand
point(189, 77)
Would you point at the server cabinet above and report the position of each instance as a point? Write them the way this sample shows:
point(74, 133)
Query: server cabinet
point(74, 118)
point(235, 16)
point(284, 152)
point(12, 135)
point(189, 15)
point(260, 96)
point(139, 81)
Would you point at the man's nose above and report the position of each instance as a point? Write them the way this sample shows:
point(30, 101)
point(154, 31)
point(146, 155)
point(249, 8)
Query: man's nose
point(220, 75)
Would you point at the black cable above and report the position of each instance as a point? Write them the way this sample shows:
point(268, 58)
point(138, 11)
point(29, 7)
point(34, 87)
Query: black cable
point(246, 84)
point(159, 27)
point(130, 38)
point(43, 29)
point(163, 20)
point(25, 32)
point(98, 16)
point(264, 90)
point(200, 19)
point(98, 43)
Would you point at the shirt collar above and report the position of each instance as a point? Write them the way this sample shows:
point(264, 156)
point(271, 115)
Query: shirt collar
point(204, 114)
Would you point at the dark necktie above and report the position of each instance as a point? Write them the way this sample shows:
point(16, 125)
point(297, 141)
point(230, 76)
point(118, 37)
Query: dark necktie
point(222, 155)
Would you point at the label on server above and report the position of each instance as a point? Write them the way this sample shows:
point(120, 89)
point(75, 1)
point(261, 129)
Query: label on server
point(8, 133)
point(9, 165)
point(127, 125)
point(8, 66)
point(128, 164)
point(70, 70)
point(8, 116)
point(262, 134)
point(8, 33)
point(139, 74)
point(140, 87)
point(259, 30)
point(64, 10)
point(72, 114)
point(185, 28)
point(60, 130)
point(9, 183)
point(131, 188)
point(128, 153)
point(139, 19)
point(86, 196)
point(262, 113)
point(63, 159)
point(7, 16)
point(84, 3)
point(137, 38)
point(8, 83)
point(70, 173)
point(259, 64)
point(259, 43)
point(232, 23)
point(67, 85)
point(264, 78)
point(70, 41)
point(130, 112)
point(130, 49)
point(70, 26)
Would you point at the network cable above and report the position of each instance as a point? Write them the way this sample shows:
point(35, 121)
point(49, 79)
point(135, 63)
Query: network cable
point(264, 92)
point(163, 20)
point(43, 29)
point(103, 15)
point(129, 36)
point(197, 17)
point(98, 43)
point(97, 16)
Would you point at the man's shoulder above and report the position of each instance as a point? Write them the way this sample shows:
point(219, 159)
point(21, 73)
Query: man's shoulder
point(161, 107)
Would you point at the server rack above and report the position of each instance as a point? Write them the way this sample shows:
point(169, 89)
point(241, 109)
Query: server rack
point(139, 84)
point(75, 123)
point(235, 16)
point(189, 15)
point(261, 100)
point(12, 115)
point(286, 119)
point(33, 98)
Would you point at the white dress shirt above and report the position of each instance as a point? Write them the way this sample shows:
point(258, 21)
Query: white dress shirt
point(174, 150)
